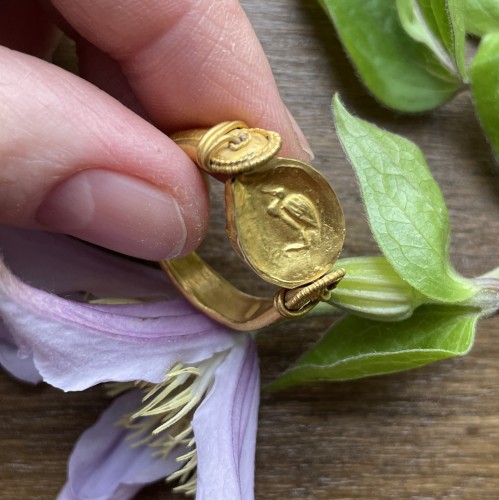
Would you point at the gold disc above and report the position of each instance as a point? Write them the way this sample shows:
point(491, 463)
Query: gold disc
point(285, 221)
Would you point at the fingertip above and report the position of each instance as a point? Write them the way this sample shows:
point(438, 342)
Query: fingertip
point(190, 65)
point(301, 147)
point(123, 213)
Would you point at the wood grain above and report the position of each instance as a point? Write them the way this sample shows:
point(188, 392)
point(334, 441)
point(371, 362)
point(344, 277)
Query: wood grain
point(429, 433)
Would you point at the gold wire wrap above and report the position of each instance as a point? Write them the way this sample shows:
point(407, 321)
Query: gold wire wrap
point(230, 137)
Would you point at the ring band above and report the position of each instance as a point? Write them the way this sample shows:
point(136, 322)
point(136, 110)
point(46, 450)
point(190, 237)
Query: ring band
point(283, 219)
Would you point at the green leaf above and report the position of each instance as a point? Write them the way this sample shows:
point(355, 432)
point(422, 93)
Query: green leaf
point(65, 55)
point(481, 16)
point(357, 347)
point(484, 79)
point(452, 30)
point(439, 24)
point(401, 72)
point(405, 207)
point(371, 288)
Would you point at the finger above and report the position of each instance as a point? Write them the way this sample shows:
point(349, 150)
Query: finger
point(74, 160)
point(104, 72)
point(190, 63)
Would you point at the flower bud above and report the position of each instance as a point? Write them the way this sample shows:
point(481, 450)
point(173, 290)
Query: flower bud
point(371, 288)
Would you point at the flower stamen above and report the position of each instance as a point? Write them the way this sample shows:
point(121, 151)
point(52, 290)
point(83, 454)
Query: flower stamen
point(163, 422)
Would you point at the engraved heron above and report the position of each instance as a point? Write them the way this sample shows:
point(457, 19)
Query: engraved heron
point(297, 211)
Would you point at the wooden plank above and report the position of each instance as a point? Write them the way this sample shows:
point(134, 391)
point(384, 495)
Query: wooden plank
point(429, 433)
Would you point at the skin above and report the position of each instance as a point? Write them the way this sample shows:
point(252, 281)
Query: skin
point(89, 155)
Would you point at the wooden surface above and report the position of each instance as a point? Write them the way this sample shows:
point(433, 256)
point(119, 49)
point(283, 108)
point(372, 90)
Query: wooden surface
point(428, 433)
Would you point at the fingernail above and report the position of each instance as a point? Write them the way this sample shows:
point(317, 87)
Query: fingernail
point(300, 137)
point(116, 211)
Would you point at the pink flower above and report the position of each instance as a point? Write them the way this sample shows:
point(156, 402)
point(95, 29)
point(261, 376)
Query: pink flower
point(198, 372)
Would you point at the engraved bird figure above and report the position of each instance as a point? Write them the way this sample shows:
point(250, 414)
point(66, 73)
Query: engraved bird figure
point(297, 211)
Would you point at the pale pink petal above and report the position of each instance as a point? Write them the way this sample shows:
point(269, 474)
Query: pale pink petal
point(69, 267)
point(104, 465)
point(77, 345)
point(225, 427)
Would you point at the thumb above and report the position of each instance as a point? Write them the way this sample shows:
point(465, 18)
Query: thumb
point(74, 160)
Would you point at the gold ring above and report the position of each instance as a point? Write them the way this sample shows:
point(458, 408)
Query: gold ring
point(283, 219)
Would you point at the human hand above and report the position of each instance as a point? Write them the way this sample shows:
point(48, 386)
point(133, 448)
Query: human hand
point(88, 156)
